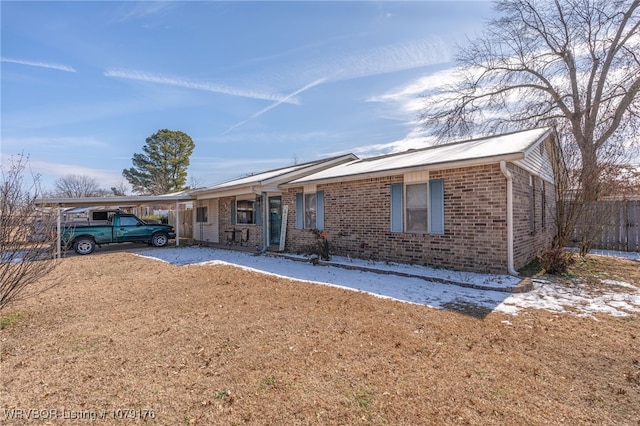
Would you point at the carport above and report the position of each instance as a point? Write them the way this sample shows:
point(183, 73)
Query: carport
point(135, 200)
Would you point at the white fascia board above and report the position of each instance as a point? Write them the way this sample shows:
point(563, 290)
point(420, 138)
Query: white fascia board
point(240, 191)
point(110, 201)
point(244, 190)
point(400, 171)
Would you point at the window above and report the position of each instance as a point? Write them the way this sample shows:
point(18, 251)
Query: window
point(310, 210)
point(245, 210)
point(128, 221)
point(202, 214)
point(100, 216)
point(418, 208)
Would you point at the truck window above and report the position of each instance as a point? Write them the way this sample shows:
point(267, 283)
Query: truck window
point(100, 216)
point(128, 221)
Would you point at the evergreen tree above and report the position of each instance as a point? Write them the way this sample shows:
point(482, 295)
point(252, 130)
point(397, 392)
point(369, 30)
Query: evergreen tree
point(162, 168)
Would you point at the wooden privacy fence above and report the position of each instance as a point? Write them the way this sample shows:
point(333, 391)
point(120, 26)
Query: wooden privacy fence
point(611, 225)
point(186, 222)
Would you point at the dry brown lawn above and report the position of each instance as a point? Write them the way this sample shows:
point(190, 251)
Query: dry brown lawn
point(130, 340)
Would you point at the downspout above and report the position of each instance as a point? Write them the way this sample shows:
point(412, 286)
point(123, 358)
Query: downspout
point(507, 175)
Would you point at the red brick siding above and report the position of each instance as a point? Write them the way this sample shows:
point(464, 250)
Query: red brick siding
point(357, 222)
point(530, 243)
point(224, 223)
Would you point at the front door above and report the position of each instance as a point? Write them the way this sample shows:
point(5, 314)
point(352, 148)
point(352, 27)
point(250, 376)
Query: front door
point(275, 219)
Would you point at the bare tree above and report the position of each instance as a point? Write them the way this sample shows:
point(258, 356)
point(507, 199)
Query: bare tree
point(195, 182)
point(77, 186)
point(26, 237)
point(120, 190)
point(572, 64)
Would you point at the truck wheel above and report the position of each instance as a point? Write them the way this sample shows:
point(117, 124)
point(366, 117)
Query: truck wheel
point(159, 239)
point(84, 246)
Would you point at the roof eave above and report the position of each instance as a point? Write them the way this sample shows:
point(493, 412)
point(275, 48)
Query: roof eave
point(424, 167)
point(109, 201)
point(271, 184)
point(322, 165)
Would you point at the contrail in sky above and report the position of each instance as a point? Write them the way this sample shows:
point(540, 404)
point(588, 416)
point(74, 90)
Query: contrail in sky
point(272, 106)
point(196, 85)
point(38, 64)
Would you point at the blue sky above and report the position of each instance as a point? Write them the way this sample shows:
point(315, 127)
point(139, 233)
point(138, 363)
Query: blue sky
point(257, 85)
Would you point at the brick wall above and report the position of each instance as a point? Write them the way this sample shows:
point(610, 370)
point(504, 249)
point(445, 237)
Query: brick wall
point(532, 234)
point(224, 222)
point(357, 221)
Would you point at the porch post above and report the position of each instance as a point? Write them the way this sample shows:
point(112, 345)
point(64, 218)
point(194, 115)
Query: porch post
point(177, 224)
point(266, 223)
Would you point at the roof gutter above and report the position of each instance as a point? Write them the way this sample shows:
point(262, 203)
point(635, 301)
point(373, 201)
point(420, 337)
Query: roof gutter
point(509, 177)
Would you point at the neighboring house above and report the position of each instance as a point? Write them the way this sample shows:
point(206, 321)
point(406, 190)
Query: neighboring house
point(483, 205)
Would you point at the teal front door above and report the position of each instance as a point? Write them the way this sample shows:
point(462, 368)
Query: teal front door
point(275, 219)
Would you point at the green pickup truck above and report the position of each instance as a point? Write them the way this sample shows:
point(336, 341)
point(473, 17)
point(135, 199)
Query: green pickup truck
point(117, 228)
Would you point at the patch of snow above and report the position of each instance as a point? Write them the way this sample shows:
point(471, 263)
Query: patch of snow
point(545, 295)
point(611, 253)
point(619, 284)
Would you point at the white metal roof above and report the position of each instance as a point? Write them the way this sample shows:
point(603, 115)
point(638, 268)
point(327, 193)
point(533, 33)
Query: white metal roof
point(510, 146)
point(272, 178)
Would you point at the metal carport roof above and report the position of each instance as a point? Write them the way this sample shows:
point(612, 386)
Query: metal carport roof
point(137, 200)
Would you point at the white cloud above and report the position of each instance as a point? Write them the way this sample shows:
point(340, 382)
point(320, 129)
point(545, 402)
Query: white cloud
point(375, 61)
point(146, 9)
point(49, 171)
point(53, 66)
point(366, 63)
point(391, 58)
point(37, 143)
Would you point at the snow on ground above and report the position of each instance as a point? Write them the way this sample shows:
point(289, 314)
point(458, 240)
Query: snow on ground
point(546, 295)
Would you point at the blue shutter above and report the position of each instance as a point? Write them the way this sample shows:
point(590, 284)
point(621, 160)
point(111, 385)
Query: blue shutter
point(233, 212)
point(299, 211)
point(320, 210)
point(396, 207)
point(436, 213)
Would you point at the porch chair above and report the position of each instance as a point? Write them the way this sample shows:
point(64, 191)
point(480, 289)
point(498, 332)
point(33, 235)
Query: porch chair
point(244, 237)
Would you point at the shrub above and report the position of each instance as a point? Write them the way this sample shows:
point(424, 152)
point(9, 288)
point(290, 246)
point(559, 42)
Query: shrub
point(556, 261)
point(320, 248)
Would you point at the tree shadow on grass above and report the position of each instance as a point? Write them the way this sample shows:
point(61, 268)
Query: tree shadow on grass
point(467, 308)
